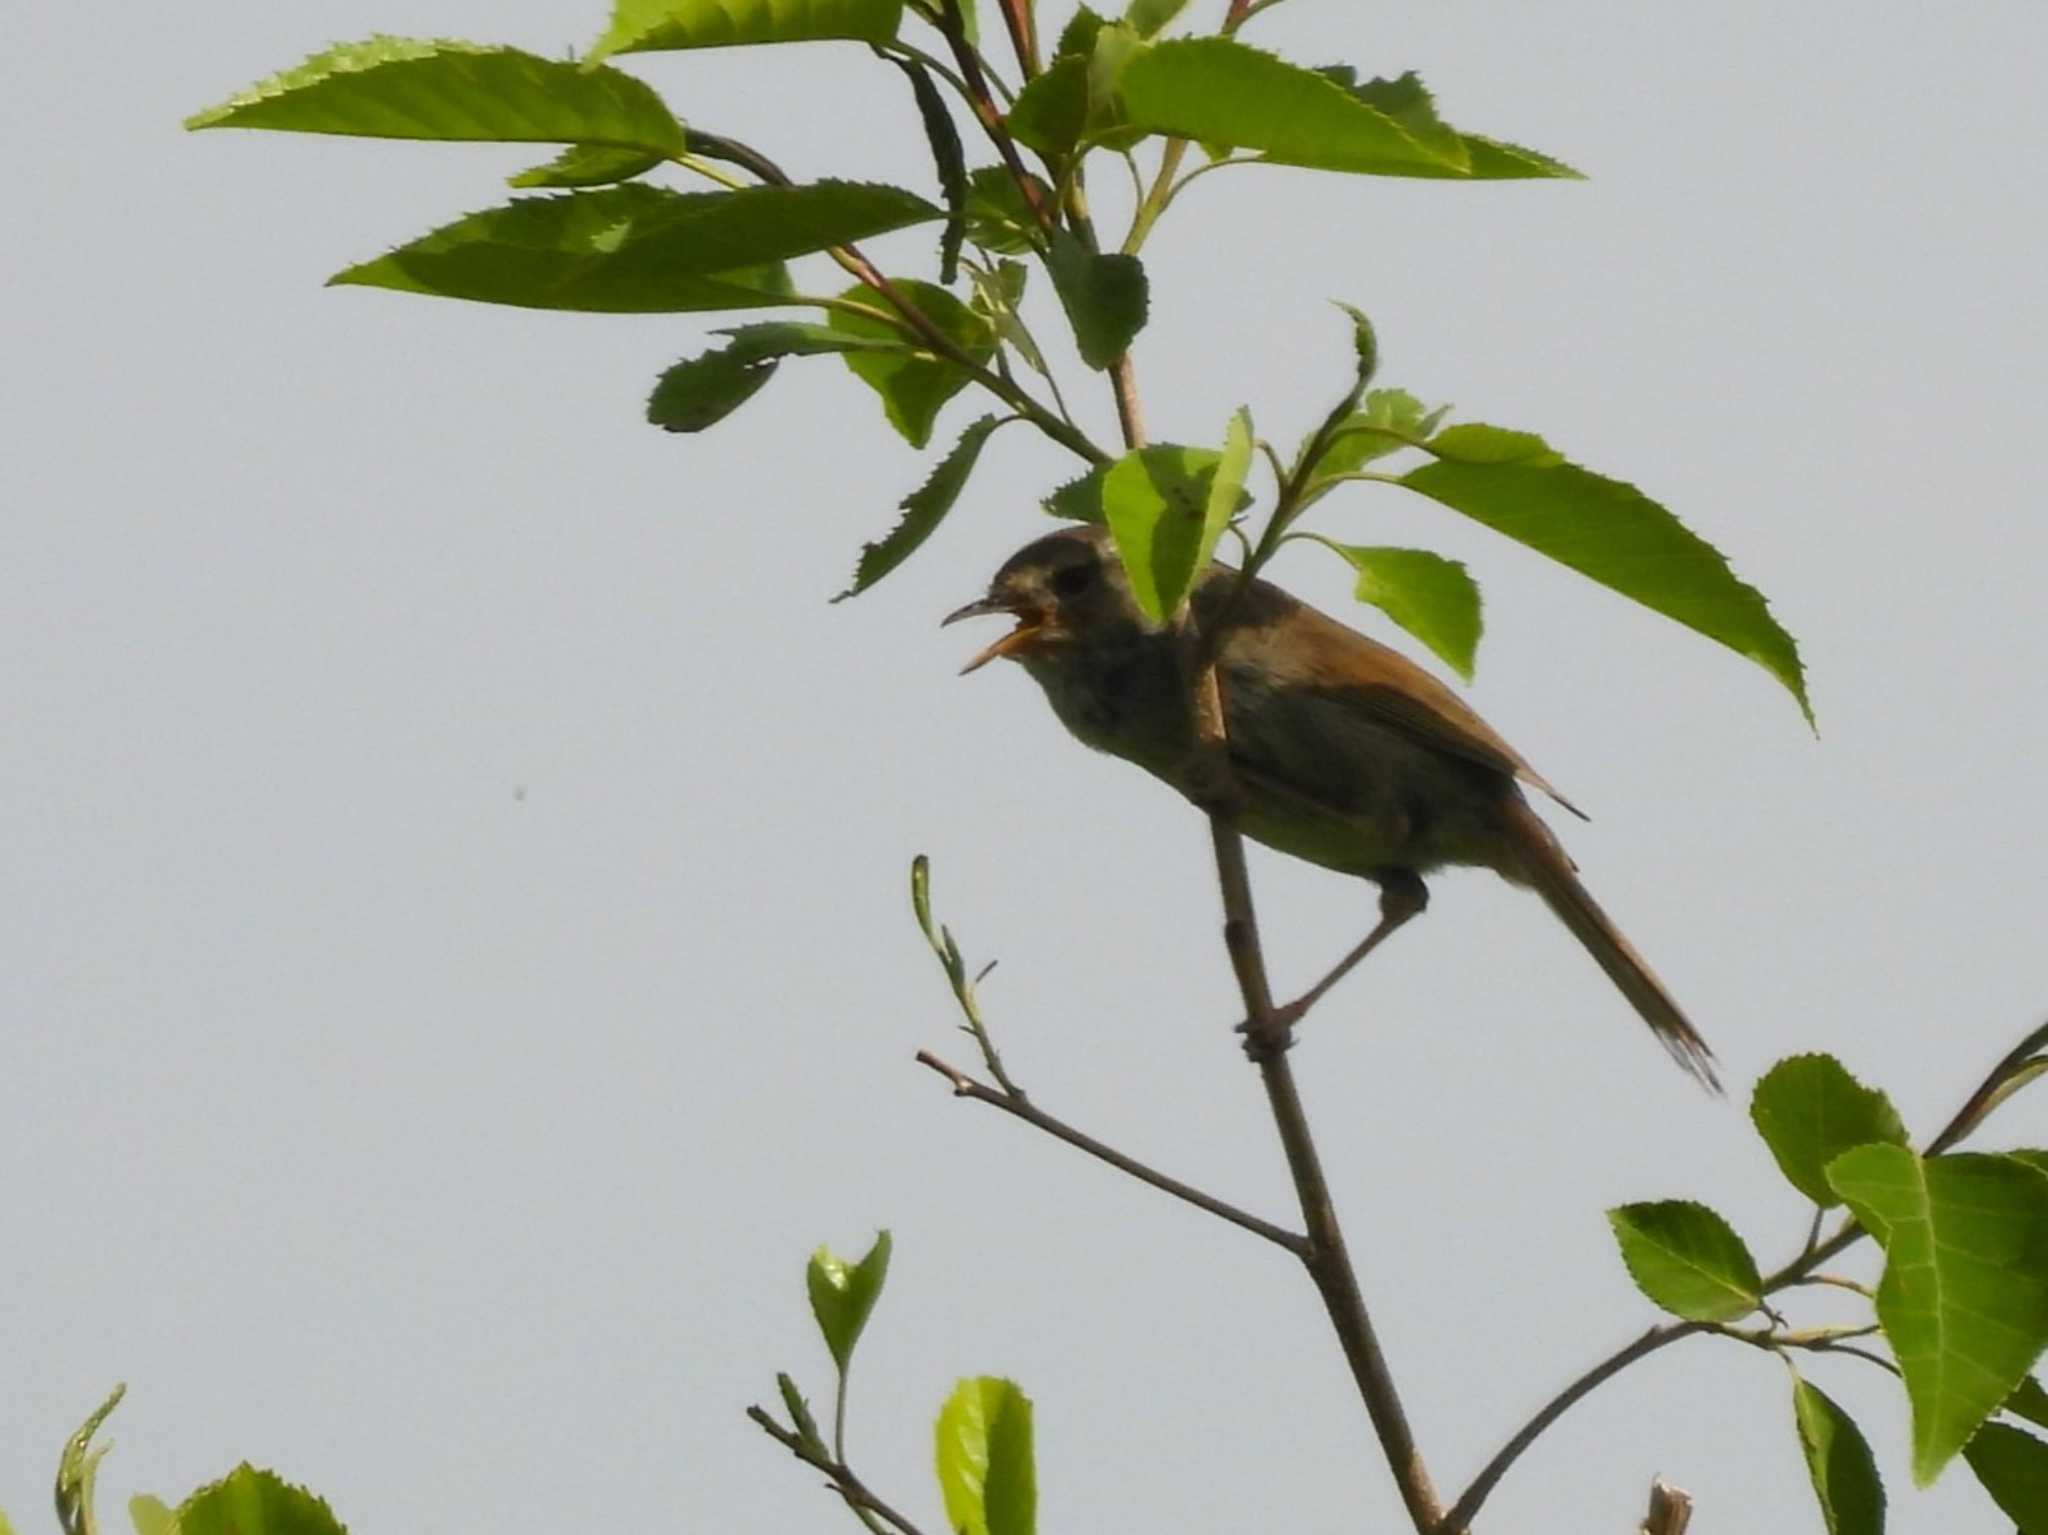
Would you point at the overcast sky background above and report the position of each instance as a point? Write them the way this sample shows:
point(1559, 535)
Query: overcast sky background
point(457, 959)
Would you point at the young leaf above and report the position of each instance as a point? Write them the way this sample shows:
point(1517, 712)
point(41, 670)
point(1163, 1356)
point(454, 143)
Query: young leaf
point(1226, 486)
point(1391, 420)
point(2012, 1465)
point(1148, 18)
point(1964, 1296)
point(1809, 1110)
point(252, 1502)
point(640, 26)
point(407, 88)
point(915, 386)
point(587, 165)
point(1408, 102)
point(150, 1516)
point(700, 392)
point(924, 508)
point(1156, 504)
point(799, 1412)
point(1838, 1459)
point(984, 1455)
point(1429, 596)
point(78, 1466)
point(1116, 44)
point(1104, 297)
point(842, 1295)
point(1687, 1259)
point(1513, 483)
point(639, 249)
point(1219, 91)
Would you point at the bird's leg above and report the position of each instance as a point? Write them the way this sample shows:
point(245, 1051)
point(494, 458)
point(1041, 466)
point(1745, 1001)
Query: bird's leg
point(1402, 895)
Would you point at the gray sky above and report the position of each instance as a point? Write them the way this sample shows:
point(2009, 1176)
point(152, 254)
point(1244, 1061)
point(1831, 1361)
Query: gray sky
point(457, 1152)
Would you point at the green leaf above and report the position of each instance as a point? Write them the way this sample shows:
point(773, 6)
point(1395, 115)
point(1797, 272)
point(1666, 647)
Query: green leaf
point(149, 1515)
point(1838, 1459)
point(2013, 1467)
point(1116, 44)
point(1513, 483)
point(984, 1458)
point(1051, 112)
point(638, 249)
point(1077, 37)
point(1471, 442)
point(1155, 502)
point(1104, 297)
point(1429, 596)
point(1964, 1296)
point(799, 1412)
point(2029, 1402)
point(587, 165)
point(997, 295)
point(640, 26)
point(915, 386)
point(1391, 420)
point(699, 392)
point(77, 1467)
point(1408, 102)
point(1687, 1259)
point(842, 1295)
point(924, 508)
point(1082, 500)
point(1226, 484)
point(1221, 92)
point(252, 1502)
point(1809, 1110)
point(948, 159)
point(407, 88)
point(1148, 18)
point(1367, 345)
point(998, 217)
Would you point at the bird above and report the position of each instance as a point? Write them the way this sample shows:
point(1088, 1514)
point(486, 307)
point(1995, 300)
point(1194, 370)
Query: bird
point(1345, 753)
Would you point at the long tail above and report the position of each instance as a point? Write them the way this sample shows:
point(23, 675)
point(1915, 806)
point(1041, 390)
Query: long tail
point(1542, 863)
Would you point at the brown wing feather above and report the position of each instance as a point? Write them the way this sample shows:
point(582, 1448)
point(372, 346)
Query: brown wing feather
point(1374, 678)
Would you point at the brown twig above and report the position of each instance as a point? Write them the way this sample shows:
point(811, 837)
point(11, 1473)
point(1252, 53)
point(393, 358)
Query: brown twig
point(1023, 29)
point(1022, 1108)
point(1459, 1519)
point(985, 110)
point(838, 1474)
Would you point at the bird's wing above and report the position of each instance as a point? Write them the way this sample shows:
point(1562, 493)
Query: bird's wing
point(1318, 657)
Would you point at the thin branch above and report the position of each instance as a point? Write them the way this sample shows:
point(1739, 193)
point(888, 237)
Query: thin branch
point(1459, 1519)
point(1020, 1107)
point(1023, 28)
point(838, 1474)
point(954, 26)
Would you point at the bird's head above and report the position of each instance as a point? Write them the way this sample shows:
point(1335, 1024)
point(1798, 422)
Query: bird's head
point(1067, 591)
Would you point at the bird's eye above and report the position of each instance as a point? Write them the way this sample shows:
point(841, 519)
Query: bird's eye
point(1072, 580)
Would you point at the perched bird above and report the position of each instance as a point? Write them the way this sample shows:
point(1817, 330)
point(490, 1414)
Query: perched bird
point(1347, 754)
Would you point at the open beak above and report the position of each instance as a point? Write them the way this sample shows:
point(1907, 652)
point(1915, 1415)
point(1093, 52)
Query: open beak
point(1017, 639)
